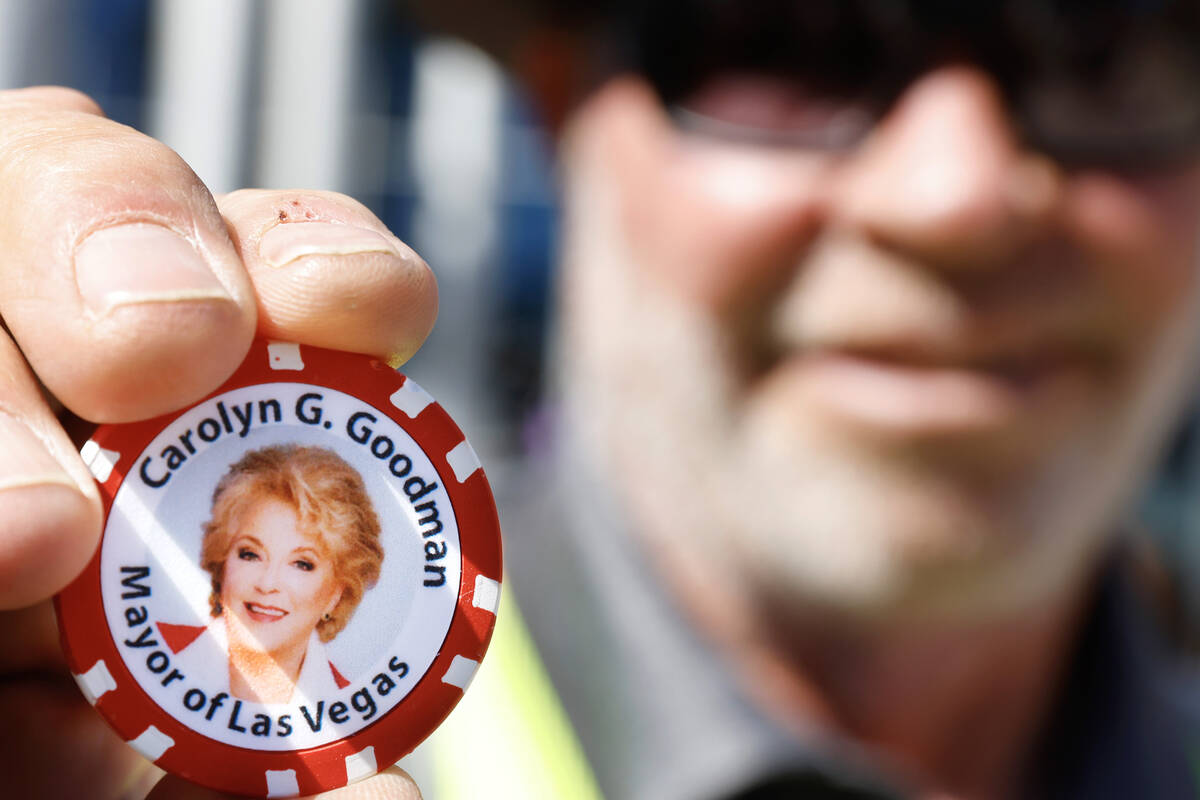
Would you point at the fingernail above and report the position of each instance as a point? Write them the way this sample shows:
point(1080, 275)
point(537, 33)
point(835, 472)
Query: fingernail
point(24, 460)
point(142, 263)
point(289, 241)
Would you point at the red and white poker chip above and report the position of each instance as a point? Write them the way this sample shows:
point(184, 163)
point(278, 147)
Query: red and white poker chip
point(420, 638)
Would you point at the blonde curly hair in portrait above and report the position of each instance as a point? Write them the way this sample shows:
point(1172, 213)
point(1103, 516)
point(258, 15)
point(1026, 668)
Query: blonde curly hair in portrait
point(331, 503)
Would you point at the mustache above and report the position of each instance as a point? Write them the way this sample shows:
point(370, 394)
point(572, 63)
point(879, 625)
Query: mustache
point(852, 295)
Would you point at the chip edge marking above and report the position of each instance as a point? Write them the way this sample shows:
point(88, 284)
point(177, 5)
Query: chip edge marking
point(460, 672)
point(487, 594)
point(284, 356)
point(361, 765)
point(282, 783)
point(95, 682)
point(411, 398)
point(100, 462)
point(152, 743)
point(463, 460)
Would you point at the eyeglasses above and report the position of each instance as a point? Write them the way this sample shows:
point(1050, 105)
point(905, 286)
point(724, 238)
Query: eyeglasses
point(1112, 83)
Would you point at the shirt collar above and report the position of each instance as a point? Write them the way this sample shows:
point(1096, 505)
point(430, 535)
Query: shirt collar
point(1121, 726)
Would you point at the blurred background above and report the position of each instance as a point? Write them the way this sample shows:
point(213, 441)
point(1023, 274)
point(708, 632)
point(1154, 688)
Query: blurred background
point(427, 132)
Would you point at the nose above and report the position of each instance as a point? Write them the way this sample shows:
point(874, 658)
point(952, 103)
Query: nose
point(944, 178)
point(266, 581)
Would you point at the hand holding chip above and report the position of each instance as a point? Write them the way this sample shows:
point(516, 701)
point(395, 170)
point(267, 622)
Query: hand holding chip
point(130, 291)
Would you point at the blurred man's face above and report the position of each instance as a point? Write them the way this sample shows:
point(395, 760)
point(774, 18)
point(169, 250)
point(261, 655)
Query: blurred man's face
point(919, 377)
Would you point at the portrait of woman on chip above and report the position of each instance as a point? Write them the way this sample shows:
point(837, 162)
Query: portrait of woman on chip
point(291, 546)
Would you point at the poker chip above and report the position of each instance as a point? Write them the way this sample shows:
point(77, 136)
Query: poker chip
point(297, 579)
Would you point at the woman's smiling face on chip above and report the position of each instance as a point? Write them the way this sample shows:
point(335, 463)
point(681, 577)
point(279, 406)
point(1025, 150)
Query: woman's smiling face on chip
point(278, 582)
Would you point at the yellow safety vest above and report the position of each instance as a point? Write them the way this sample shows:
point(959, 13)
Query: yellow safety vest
point(509, 736)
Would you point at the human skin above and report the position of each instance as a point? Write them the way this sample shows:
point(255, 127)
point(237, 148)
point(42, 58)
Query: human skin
point(276, 585)
point(709, 328)
point(114, 343)
point(876, 407)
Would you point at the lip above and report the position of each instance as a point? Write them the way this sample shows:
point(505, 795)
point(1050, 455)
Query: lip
point(923, 397)
point(264, 613)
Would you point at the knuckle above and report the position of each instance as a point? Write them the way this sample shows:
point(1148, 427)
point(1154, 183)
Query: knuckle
point(77, 167)
point(49, 98)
